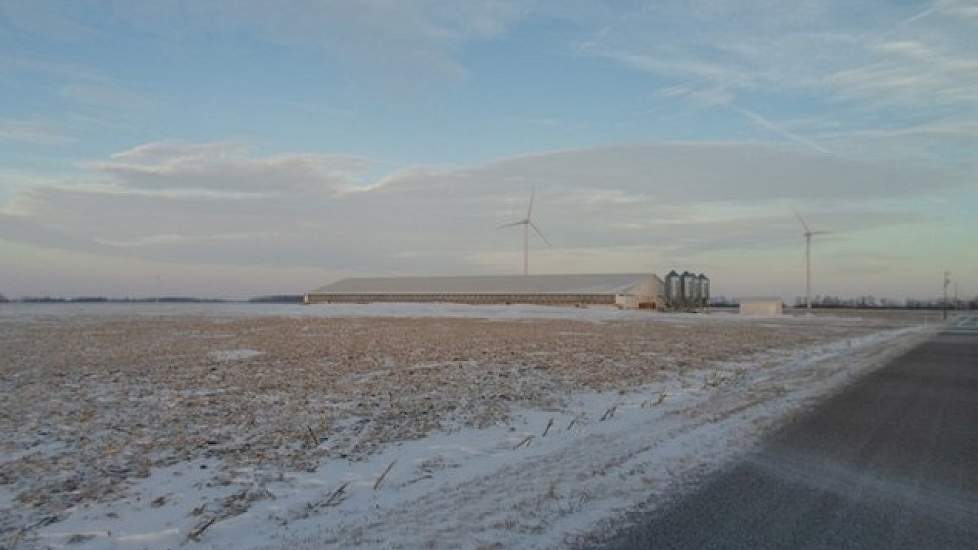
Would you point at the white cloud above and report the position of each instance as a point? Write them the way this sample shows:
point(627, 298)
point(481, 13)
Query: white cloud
point(675, 199)
point(227, 168)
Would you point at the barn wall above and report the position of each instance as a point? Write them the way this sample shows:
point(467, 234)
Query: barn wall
point(542, 299)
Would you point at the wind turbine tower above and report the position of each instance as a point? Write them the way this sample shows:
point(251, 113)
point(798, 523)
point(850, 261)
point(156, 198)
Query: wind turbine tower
point(527, 223)
point(808, 234)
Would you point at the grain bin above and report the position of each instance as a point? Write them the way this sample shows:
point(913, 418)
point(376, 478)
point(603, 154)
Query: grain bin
point(674, 290)
point(704, 284)
point(691, 288)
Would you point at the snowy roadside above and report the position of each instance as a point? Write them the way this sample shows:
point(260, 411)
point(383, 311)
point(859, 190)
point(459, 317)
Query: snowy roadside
point(506, 485)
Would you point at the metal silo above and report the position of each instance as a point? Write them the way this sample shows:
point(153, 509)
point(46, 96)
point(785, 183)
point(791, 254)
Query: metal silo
point(690, 288)
point(704, 290)
point(674, 290)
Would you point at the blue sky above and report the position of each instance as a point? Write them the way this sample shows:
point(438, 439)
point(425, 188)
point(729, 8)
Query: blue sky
point(219, 147)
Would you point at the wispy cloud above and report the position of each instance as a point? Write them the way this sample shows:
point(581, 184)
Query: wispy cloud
point(670, 61)
point(46, 18)
point(178, 239)
point(88, 99)
point(964, 9)
point(779, 130)
point(924, 13)
point(911, 72)
point(949, 127)
point(227, 167)
point(106, 95)
point(402, 37)
point(859, 59)
point(709, 97)
point(32, 132)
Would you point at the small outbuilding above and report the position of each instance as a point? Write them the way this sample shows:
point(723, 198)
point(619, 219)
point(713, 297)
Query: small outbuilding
point(762, 305)
point(626, 290)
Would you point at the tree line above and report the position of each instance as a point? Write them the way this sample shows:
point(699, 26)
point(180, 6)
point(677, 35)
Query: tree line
point(865, 302)
point(272, 299)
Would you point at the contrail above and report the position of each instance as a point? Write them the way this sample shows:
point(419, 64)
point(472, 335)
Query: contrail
point(767, 124)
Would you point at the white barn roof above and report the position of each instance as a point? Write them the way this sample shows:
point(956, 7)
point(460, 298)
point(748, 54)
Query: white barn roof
point(600, 283)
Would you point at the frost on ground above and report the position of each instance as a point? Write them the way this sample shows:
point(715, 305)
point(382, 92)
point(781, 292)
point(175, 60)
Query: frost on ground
point(233, 354)
point(156, 430)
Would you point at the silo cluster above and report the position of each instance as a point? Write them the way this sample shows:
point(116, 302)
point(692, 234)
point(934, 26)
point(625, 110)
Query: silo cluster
point(687, 290)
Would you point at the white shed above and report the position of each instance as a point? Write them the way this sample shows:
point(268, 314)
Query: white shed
point(762, 305)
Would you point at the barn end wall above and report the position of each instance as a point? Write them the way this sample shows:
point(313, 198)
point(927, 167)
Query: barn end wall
point(650, 293)
point(762, 308)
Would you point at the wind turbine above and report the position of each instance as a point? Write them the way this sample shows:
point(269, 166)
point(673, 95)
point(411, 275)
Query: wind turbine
point(808, 234)
point(527, 223)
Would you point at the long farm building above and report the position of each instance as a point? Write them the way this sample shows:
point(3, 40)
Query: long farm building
point(628, 290)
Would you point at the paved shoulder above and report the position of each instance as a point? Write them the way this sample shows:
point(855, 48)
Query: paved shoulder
point(892, 462)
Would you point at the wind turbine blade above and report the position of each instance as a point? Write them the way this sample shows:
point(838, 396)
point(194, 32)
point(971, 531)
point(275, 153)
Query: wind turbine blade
point(803, 224)
point(820, 232)
point(514, 224)
point(529, 210)
point(537, 229)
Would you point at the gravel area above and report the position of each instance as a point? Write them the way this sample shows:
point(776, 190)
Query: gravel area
point(91, 403)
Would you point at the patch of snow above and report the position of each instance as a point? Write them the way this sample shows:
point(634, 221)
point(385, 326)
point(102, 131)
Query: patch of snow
point(597, 313)
point(136, 521)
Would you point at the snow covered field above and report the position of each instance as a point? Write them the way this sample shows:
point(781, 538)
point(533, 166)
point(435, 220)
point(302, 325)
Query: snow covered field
point(403, 426)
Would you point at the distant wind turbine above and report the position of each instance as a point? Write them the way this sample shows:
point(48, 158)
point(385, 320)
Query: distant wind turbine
point(527, 223)
point(808, 234)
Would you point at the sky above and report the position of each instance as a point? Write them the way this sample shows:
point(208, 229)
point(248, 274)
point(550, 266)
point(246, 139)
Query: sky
point(244, 147)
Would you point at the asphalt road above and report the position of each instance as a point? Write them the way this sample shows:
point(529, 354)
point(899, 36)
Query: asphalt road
point(891, 462)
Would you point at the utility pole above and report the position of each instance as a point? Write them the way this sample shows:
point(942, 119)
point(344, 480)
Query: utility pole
point(947, 281)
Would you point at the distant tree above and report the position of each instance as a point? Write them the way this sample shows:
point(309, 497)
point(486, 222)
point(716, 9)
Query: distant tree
point(278, 299)
point(827, 301)
point(722, 301)
point(866, 301)
point(3, 299)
